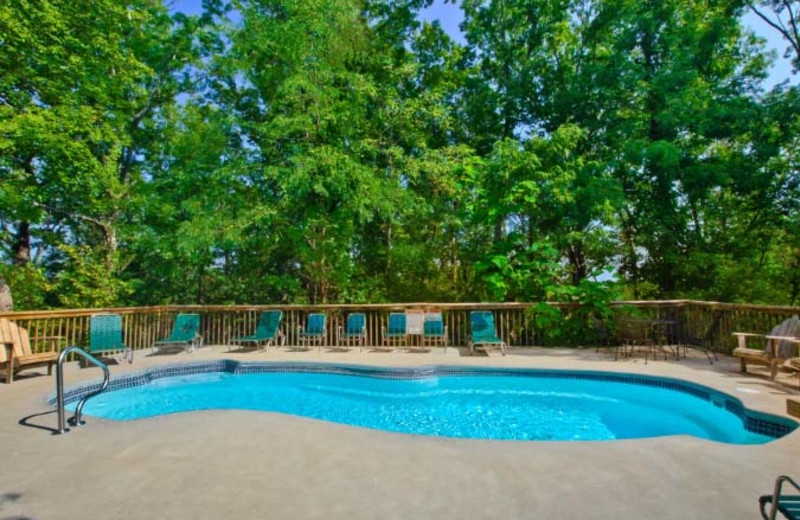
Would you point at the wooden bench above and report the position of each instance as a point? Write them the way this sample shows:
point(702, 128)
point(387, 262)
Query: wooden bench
point(16, 353)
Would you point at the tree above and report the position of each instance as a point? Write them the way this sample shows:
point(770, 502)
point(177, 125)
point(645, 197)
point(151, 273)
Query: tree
point(343, 150)
point(782, 16)
point(82, 87)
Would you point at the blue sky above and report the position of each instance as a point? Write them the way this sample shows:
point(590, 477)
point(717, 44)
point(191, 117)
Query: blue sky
point(450, 16)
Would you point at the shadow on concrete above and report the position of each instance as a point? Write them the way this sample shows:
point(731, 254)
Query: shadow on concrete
point(6, 498)
point(27, 421)
point(171, 350)
point(337, 348)
point(28, 374)
point(246, 349)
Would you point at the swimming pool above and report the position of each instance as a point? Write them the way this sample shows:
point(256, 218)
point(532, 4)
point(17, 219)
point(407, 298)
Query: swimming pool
point(466, 402)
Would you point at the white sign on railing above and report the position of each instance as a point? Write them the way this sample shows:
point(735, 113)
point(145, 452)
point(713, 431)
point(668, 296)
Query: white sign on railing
point(414, 321)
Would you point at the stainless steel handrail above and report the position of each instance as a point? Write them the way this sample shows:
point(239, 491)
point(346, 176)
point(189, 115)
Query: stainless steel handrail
point(76, 420)
point(776, 497)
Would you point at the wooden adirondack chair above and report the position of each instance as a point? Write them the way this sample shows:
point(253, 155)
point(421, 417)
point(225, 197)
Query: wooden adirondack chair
point(16, 353)
point(781, 345)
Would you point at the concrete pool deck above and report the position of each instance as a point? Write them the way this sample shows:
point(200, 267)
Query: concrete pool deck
point(242, 465)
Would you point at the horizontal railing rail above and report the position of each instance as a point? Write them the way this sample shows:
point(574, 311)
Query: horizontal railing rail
point(708, 322)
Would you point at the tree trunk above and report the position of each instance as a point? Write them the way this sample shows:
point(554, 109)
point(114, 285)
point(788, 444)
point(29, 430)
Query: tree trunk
point(6, 302)
point(200, 287)
point(630, 259)
point(498, 229)
point(577, 260)
point(21, 249)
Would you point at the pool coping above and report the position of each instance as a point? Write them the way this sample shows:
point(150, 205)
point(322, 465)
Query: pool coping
point(766, 424)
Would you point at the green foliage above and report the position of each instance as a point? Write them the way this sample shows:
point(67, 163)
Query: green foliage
point(84, 283)
point(343, 151)
point(29, 286)
point(537, 275)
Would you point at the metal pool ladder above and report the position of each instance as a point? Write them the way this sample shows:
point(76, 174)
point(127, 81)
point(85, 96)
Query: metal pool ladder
point(76, 420)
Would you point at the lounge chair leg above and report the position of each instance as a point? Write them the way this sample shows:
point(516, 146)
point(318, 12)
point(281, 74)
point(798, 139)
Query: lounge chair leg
point(9, 363)
point(742, 365)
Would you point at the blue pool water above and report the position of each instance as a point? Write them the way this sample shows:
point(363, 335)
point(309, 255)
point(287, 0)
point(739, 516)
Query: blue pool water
point(474, 406)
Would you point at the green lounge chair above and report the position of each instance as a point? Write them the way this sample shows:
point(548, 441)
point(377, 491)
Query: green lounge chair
point(483, 334)
point(396, 331)
point(267, 331)
point(355, 331)
point(105, 336)
point(434, 332)
point(314, 333)
point(184, 333)
point(786, 505)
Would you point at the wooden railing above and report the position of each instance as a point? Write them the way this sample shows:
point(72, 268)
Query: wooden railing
point(714, 322)
point(709, 322)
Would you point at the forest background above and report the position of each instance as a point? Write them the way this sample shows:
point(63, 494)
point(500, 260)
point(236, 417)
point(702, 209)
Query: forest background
point(319, 151)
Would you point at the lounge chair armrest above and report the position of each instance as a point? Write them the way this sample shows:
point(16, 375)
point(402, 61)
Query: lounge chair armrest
point(783, 338)
point(784, 478)
point(742, 337)
point(772, 342)
point(780, 481)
